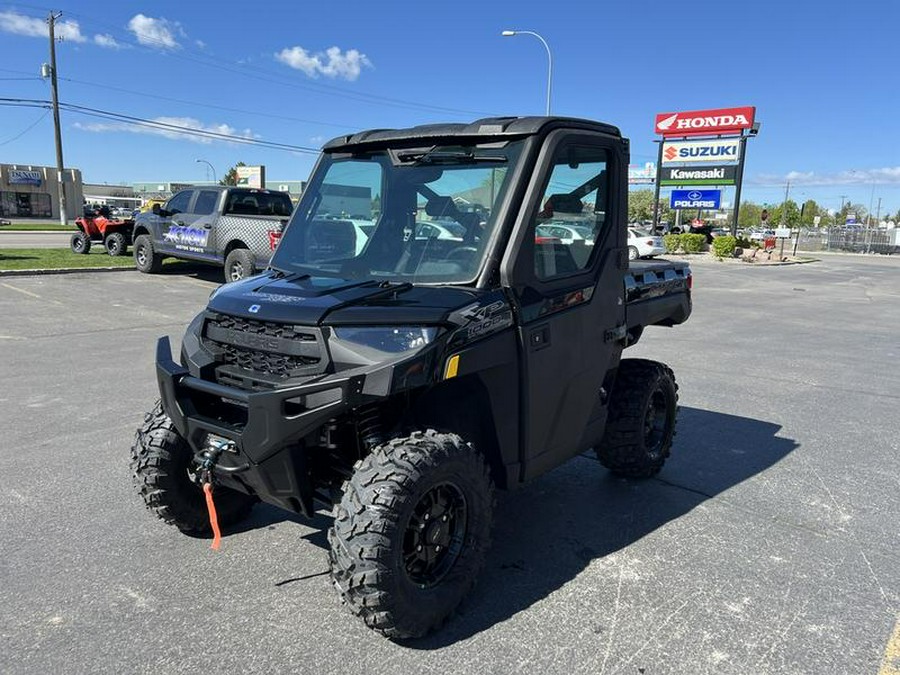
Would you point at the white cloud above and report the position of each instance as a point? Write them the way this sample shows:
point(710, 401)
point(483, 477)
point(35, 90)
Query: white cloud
point(330, 63)
point(188, 122)
point(19, 24)
point(889, 175)
point(159, 33)
point(200, 43)
point(108, 41)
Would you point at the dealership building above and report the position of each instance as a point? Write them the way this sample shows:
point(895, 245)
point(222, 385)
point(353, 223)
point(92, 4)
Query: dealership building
point(28, 191)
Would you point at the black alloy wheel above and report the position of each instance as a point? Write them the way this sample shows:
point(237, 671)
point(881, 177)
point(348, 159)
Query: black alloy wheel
point(435, 534)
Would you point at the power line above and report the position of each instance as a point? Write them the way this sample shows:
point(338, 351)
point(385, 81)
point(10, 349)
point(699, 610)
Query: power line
point(158, 125)
point(27, 129)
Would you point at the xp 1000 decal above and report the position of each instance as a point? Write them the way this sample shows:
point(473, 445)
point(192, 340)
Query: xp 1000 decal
point(185, 238)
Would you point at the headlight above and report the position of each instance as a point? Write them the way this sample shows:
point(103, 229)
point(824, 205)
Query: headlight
point(393, 339)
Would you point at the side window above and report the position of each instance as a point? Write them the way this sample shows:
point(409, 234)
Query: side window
point(179, 203)
point(575, 198)
point(206, 202)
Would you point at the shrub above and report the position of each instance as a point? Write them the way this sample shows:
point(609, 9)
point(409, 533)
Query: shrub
point(693, 243)
point(743, 242)
point(672, 242)
point(723, 247)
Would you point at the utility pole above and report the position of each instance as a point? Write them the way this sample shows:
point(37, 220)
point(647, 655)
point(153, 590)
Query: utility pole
point(787, 190)
point(63, 217)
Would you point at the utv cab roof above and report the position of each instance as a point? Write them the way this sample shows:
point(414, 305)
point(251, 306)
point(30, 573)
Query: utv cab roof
point(479, 131)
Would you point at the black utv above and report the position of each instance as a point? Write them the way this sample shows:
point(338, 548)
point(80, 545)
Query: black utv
point(417, 344)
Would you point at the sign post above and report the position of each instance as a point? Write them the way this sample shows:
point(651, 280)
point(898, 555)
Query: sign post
point(656, 190)
point(737, 189)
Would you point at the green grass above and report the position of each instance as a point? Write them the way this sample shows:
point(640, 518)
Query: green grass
point(59, 258)
point(38, 227)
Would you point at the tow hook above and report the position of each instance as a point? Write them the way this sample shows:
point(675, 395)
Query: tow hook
point(207, 459)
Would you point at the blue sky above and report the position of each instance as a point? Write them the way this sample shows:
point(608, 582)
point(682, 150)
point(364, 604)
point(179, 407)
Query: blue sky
point(823, 76)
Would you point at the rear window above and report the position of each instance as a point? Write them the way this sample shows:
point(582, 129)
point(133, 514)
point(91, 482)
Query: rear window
point(258, 203)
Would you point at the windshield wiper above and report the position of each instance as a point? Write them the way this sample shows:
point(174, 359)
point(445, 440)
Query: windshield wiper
point(449, 157)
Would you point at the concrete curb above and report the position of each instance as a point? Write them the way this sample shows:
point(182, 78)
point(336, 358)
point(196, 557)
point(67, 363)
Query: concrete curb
point(66, 270)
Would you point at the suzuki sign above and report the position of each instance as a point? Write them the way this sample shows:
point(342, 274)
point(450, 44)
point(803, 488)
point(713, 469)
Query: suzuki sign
point(726, 150)
point(696, 199)
point(696, 122)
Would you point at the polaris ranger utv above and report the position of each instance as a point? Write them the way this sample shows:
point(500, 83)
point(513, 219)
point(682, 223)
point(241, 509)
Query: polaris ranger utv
point(416, 344)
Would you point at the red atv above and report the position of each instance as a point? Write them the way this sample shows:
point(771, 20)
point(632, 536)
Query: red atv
point(96, 225)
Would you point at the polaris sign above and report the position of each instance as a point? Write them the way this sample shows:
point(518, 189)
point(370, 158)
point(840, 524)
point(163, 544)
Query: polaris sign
point(725, 150)
point(696, 199)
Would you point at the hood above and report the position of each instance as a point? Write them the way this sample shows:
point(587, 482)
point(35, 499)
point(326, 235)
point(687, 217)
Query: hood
point(311, 301)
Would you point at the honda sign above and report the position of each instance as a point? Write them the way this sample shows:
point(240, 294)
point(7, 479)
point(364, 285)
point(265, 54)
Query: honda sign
point(696, 122)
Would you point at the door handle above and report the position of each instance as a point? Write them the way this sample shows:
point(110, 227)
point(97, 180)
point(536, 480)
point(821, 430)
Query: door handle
point(539, 338)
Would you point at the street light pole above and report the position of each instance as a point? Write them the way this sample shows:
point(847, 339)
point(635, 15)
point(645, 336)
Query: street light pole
point(211, 167)
point(511, 33)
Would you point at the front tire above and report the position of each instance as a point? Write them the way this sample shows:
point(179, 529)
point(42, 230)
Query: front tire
point(80, 243)
point(116, 244)
point(161, 461)
point(411, 532)
point(641, 422)
point(146, 260)
point(239, 265)
point(633, 253)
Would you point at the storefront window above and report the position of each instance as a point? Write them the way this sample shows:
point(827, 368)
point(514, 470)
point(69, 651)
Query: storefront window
point(25, 205)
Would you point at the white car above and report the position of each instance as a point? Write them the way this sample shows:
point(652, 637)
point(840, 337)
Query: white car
point(643, 245)
point(567, 234)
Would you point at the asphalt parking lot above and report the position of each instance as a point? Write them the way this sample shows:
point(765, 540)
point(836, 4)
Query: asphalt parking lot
point(768, 544)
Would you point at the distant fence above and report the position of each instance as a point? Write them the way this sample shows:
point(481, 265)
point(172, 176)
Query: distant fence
point(855, 240)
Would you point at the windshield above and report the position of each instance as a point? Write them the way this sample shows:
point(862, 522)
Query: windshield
point(421, 215)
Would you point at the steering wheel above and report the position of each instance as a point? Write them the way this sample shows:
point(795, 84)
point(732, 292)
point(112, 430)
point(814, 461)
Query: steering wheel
point(461, 254)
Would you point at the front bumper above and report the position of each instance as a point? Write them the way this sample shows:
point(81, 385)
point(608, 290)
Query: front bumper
point(267, 427)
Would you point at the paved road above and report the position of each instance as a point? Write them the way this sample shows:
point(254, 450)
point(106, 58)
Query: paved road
point(35, 239)
point(768, 544)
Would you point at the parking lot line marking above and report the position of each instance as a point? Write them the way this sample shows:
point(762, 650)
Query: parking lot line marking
point(890, 664)
point(21, 290)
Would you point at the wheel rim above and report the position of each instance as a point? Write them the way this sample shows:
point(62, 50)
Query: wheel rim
point(237, 271)
point(141, 255)
point(79, 245)
point(655, 422)
point(435, 535)
point(632, 254)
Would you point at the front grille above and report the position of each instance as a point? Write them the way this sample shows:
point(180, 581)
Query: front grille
point(272, 351)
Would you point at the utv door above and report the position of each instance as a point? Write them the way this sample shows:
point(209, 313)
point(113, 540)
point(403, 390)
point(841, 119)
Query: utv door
point(569, 294)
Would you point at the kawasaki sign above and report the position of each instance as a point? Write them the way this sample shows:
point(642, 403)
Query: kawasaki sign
point(723, 174)
point(725, 150)
point(696, 199)
point(707, 122)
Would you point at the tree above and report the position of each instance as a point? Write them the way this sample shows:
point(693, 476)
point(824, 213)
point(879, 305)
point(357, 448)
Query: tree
point(231, 175)
point(810, 211)
point(791, 214)
point(750, 215)
point(640, 206)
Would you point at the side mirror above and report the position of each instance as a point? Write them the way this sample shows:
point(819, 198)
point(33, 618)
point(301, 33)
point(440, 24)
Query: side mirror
point(156, 209)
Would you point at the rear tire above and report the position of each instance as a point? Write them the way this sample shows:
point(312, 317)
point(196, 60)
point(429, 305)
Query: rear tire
point(80, 243)
point(116, 244)
point(411, 532)
point(239, 265)
point(146, 260)
point(160, 464)
point(633, 253)
point(641, 423)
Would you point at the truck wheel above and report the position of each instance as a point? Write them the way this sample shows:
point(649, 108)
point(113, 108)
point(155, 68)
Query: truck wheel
point(146, 260)
point(632, 253)
point(239, 265)
point(80, 243)
point(161, 466)
point(641, 422)
point(411, 532)
point(116, 244)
